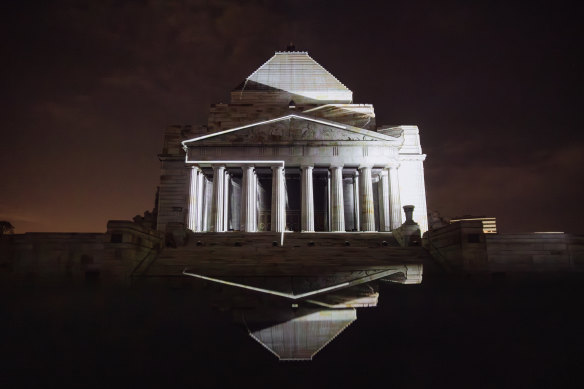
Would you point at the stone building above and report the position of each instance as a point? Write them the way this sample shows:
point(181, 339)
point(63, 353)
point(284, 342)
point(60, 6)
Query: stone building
point(291, 152)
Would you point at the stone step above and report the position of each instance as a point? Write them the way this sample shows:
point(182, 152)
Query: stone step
point(316, 239)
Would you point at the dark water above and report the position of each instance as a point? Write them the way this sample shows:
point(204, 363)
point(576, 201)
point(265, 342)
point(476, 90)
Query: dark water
point(446, 332)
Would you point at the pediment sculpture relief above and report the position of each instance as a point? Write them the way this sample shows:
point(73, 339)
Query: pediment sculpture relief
point(288, 131)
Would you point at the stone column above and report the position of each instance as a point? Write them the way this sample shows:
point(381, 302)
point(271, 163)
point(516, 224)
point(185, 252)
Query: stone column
point(217, 201)
point(307, 212)
point(193, 199)
point(200, 202)
point(367, 210)
point(384, 215)
point(255, 200)
point(394, 200)
point(235, 204)
point(328, 202)
point(226, 202)
point(278, 212)
point(356, 213)
point(206, 207)
point(248, 205)
point(337, 204)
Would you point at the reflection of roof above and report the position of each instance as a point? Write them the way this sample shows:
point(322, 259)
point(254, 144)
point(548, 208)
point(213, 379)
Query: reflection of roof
point(303, 335)
point(298, 74)
point(298, 287)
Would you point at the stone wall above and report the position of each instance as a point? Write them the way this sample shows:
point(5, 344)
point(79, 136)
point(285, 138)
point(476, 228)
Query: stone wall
point(45, 259)
point(458, 246)
point(535, 252)
point(463, 246)
point(174, 179)
point(50, 258)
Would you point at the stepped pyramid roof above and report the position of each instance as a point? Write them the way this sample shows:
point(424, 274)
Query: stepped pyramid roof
point(291, 76)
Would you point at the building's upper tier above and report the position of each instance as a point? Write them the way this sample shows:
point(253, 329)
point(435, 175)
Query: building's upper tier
point(291, 76)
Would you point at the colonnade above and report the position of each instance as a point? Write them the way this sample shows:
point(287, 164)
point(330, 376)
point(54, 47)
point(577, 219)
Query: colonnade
point(363, 207)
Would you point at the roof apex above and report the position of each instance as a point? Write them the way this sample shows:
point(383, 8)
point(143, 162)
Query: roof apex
point(292, 75)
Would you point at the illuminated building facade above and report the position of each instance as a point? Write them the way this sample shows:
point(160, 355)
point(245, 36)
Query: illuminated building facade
point(291, 152)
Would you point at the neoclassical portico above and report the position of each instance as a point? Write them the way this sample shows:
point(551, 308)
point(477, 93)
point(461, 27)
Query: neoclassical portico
point(360, 164)
point(248, 207)
point(291, 152)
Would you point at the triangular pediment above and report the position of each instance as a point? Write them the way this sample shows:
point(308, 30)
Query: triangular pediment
point(291, 128)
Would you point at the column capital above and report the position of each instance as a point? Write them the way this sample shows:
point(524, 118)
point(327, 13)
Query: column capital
point(336, 166)
point(194, 167)
point(383, 173)
point(365, 167)
point(276, 167)
point(218, 166)
point(304, 166)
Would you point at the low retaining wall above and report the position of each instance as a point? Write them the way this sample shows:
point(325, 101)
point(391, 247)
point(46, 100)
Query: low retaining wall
point(60, 258)
point(463, 246)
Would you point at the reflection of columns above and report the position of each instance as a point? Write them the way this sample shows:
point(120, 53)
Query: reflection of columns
point(217, 201)
point(367, 210)
point(384, 215)
point(194, 199)
point(278, 212)
point(337, 206)
point(394, 200)
point(307, 200)
point(226, 202)
point(248, 203)
point(356, 213)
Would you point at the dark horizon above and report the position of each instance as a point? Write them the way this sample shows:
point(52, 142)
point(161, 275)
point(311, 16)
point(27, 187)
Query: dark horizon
point(89, 87)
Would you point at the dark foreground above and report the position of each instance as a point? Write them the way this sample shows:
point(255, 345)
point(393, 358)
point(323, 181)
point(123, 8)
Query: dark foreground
point(446, 332)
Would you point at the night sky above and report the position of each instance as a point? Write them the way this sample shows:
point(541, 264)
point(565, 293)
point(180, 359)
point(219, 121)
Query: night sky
point(87, 88)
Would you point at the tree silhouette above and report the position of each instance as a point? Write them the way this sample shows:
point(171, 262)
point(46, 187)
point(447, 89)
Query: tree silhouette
point(6, 228)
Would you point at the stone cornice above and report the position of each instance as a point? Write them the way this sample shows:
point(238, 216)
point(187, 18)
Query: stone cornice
point(412, 157)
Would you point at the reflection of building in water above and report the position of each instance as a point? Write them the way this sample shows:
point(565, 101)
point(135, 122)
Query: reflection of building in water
point(295, 316)
point(291, 152)
point(300, 336)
